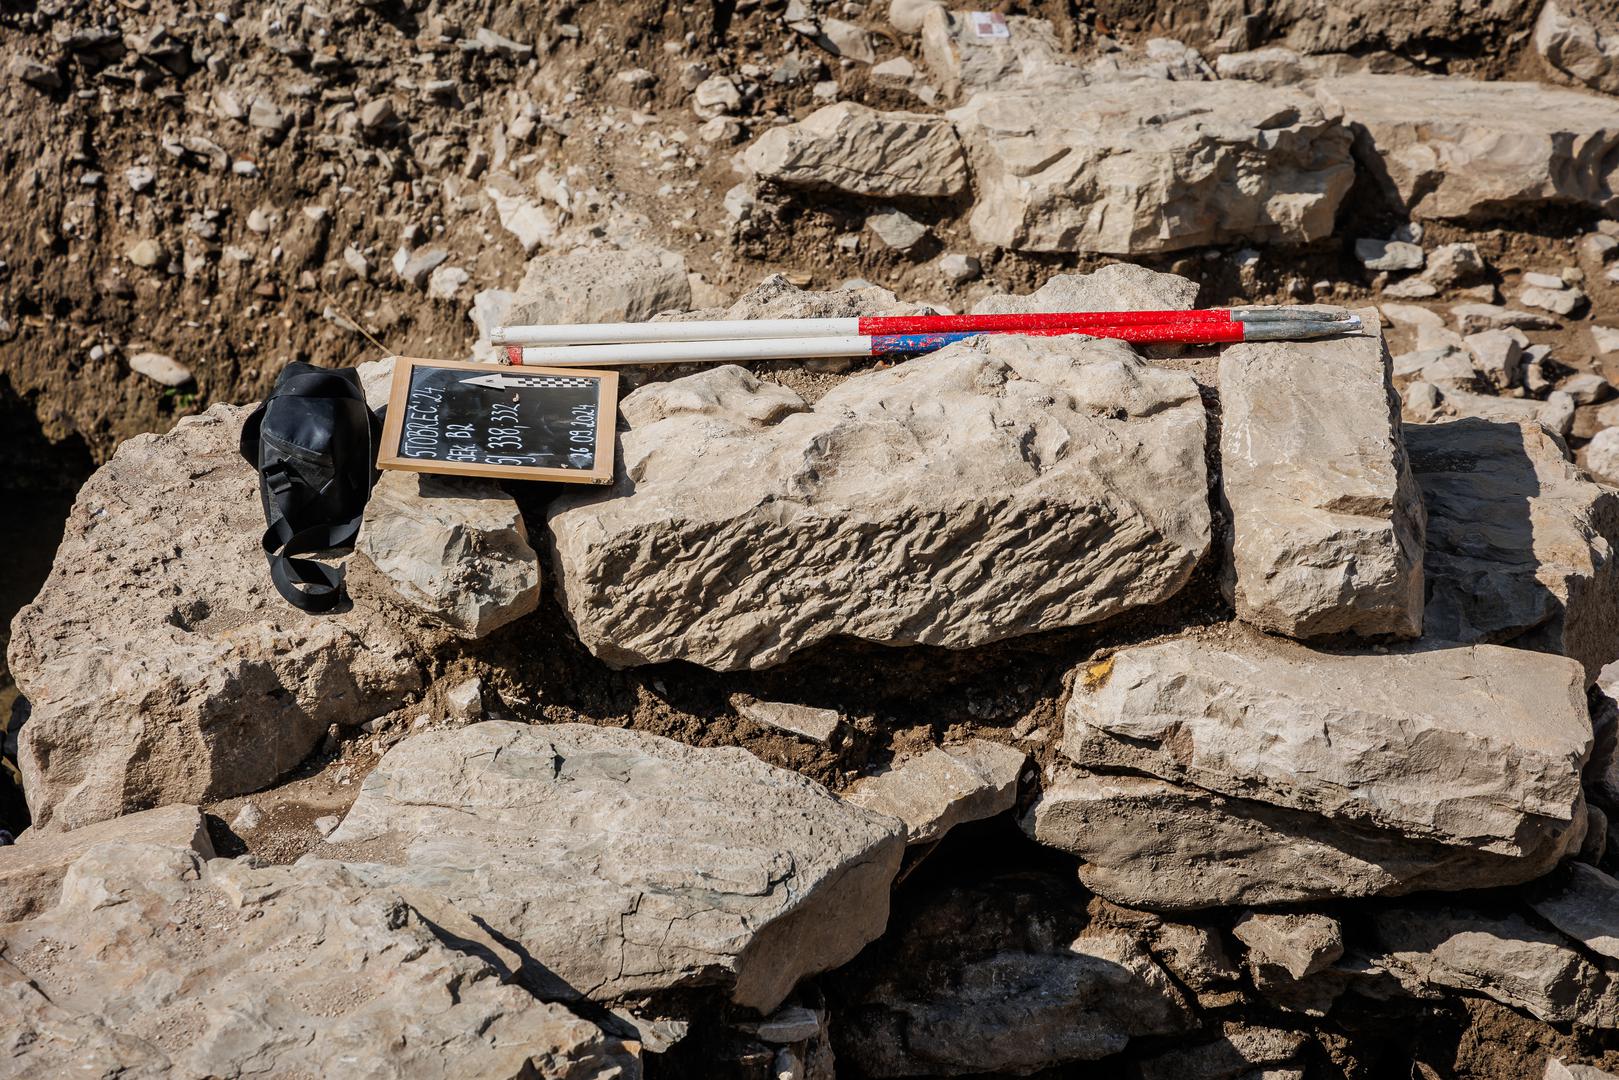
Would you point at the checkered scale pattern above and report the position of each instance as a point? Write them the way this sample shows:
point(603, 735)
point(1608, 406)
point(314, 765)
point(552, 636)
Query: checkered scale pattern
point(555, 382)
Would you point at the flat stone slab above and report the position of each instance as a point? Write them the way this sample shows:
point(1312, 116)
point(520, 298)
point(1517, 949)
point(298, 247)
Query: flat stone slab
point(1465, 150)
point(1148, 166)
point(624, 863)
point(943, 787)
point(1327, 519)
point(155, 964)
point(1001, 486)
point(1522, 546)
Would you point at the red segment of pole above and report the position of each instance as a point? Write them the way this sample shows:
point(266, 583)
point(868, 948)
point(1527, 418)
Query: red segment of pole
point(1028, 324)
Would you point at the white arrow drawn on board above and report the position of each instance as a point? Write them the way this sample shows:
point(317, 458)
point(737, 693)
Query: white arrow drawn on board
point(512, 382)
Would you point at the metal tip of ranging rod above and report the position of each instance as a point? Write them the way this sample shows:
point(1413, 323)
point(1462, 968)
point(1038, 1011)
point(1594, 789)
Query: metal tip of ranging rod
point(1299, 329)
point(1253, 315)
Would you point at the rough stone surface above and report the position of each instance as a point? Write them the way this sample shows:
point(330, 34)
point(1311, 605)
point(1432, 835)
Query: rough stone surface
point(161, 369)
point(1556, 412)
point(853, 149)
point(1327, 520)
point(943, 787)
point(1148, 166)
point(31, 870)
point(160, 663)
point(1463, 150)
point(454, 548)
point(156, 964)
point(558, 838)
point(1115, 287)
point(1522, 548)
point(1602, 455)
point(1127, 829)
point(816, 725)
point(1474, 746)
point(1058, 481)
point(1300, 944)
point(1585, 906)
point(999, 977)
point(1579, 40)
point(603, 285)
point(1241, 1052)
point(1498, 954)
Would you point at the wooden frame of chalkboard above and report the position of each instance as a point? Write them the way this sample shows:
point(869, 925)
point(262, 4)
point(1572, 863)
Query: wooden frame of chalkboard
point(485, 422)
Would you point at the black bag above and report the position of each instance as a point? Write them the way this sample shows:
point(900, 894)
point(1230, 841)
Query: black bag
point(314, 443)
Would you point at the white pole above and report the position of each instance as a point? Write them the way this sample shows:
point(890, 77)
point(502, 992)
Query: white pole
point(686, 352)
point(705, 330)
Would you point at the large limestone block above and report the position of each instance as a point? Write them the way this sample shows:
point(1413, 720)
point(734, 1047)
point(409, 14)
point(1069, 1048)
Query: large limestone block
point(998, 487)
point(626, 864)
point(31, 870)
point(1003, 977)
point(1474, 746)
point(1114, 287)
point(453, 548)
point(1148, 843)
point(160, 662)
point(155, 965)
point(853, 149)
point(1500, 955)
point(1149, 166)
point(1522, 546)
point(1464, 150)
point(965, 62)
point(1580, 40)
point(601, 285)
point(1327, 520)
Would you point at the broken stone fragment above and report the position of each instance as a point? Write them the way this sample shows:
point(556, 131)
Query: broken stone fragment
point(816, 725)
point(1326, 517)
point(557, 838)
point(850, 148)
point(156, 963)
point(897, 230)
point(601, 285)
point(160, 663)
point(1466, 150)
point(1585, 906)
point(1300, 944)
point(1579, 40)
point(453, 548)
point(965, 61)
point(944, 787)
point(161, 369)
point(1176, 165)
point(1074, 442)
point(1521, 546)
point(32, 868)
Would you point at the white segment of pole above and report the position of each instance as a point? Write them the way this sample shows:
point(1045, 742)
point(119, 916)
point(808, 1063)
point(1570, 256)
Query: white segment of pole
point(705, 330)
point(686, 352)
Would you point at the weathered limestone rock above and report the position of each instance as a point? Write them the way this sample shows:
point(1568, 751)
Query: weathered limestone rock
point(1316, 775)
point(1114, 287)
point(1368, 27)
point(1497, 954)
point(1240, 1053)
point(31, 870)
point(964, 62)
point(1225, 852)
point(1556, 1070)
point(999, 977)
point(558, 838)
point(1522, 547)
point(1327, 520)
point(1300, 944)
point(1476, 746)
point(1585, 906)
point(1149, 166)
point(160, 663)
point(850, 148)
point(601, 285)
point(1467, 151)
point(943, 787)
point(1580, 40)
point(1000, 486)
point(155, 964)
point(805, 721)
point(1556, 412)
point(453, 548)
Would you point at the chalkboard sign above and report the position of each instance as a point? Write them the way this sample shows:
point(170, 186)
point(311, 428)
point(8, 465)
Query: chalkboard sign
point(522, 423)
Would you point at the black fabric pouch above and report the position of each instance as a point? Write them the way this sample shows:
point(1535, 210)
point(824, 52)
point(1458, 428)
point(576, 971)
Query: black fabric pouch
point(314, 444)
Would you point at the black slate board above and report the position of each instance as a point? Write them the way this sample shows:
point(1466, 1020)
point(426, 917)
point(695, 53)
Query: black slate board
point(520, 423)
